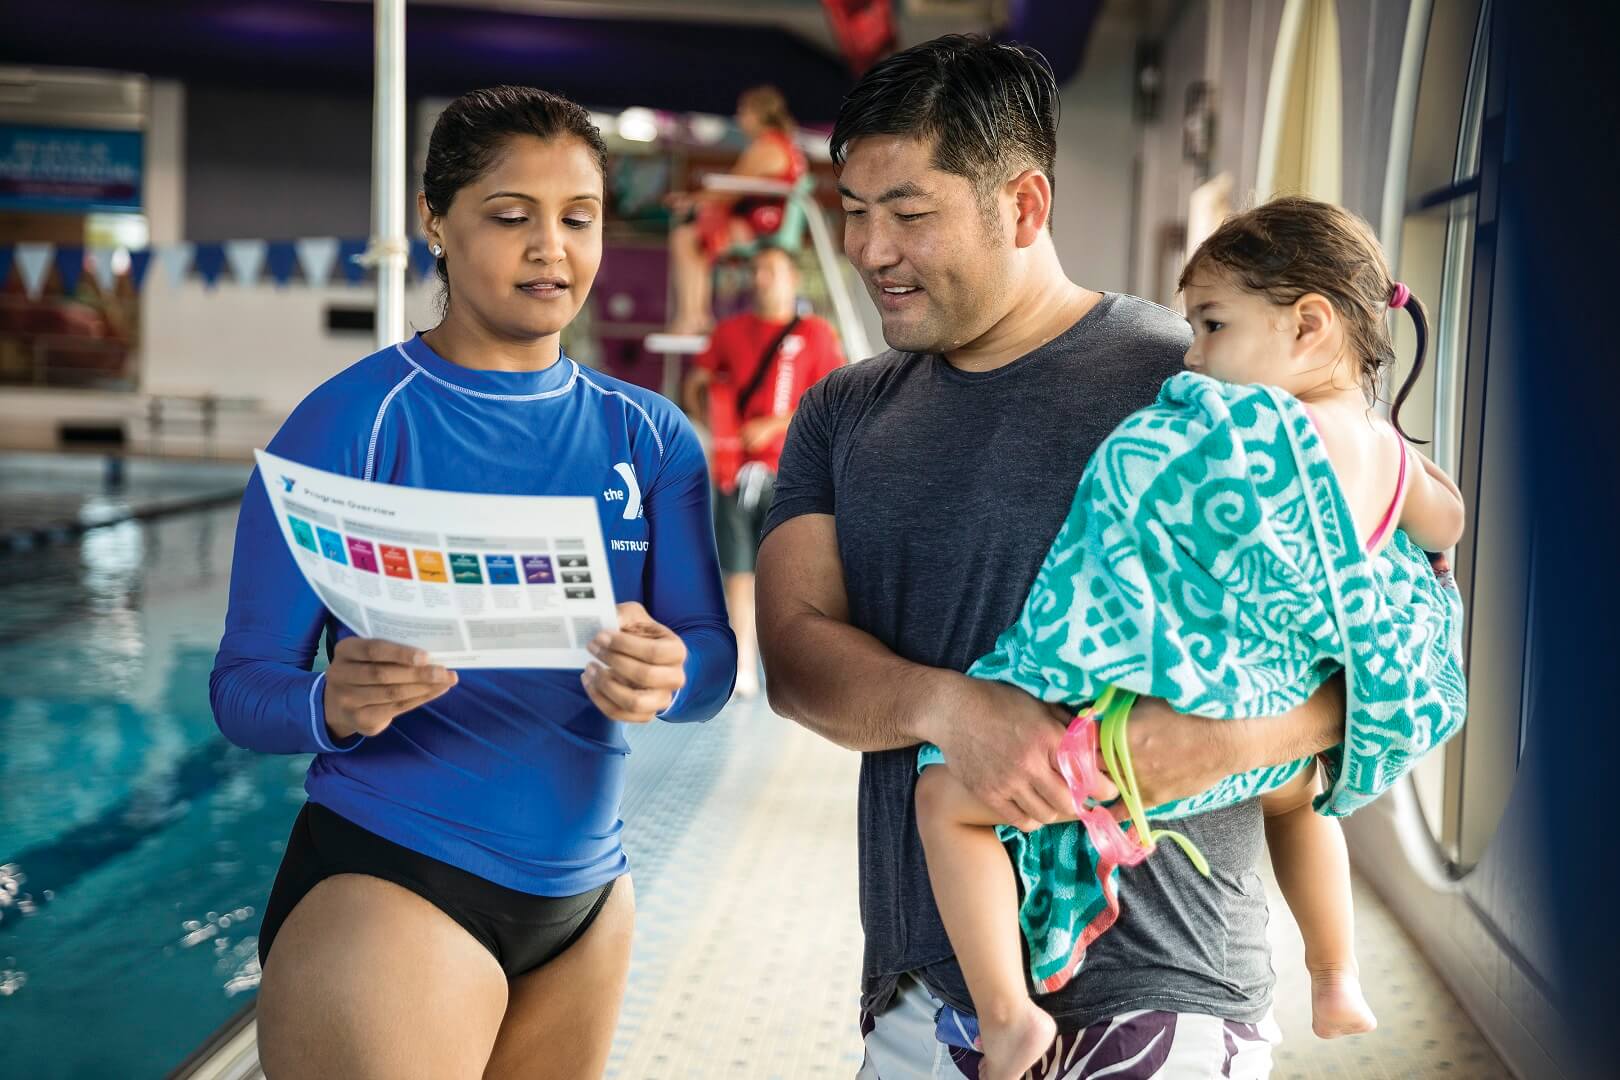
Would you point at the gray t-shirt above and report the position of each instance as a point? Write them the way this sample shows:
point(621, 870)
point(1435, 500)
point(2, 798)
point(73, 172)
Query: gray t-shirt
point(947, 488)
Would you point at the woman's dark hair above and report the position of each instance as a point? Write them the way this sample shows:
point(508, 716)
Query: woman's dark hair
point(770, 106)
point(472, 131)
point(990, 108)
point(1292, 246)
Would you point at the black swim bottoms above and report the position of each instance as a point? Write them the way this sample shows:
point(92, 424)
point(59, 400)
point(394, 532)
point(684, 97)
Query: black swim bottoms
point(521, 930)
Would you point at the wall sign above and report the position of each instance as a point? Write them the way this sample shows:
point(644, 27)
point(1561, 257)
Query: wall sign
point(68, 170)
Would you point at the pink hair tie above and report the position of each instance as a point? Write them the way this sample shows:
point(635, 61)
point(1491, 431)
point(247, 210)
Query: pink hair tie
point(1400, 296)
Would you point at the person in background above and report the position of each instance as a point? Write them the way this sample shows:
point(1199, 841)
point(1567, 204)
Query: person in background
point(710, 222)
point(746, 387)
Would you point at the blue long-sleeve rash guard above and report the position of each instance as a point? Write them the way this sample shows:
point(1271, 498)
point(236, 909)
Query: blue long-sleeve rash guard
point(512, 775)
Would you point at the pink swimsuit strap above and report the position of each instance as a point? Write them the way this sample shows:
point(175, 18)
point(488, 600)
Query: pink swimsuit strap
point(1387, 524)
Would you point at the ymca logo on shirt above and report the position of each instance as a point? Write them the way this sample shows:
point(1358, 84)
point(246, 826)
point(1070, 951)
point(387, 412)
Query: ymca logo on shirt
point(622, 489)
point(631, 493)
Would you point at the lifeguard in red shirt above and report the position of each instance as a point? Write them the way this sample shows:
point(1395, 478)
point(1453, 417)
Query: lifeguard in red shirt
point(745, 388)
point(711, 222)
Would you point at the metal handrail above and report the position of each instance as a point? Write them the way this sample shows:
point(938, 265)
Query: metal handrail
point(230, 1053)
point(849, 324)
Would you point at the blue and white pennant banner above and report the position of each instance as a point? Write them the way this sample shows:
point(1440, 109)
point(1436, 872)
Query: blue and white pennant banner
point(320, 261)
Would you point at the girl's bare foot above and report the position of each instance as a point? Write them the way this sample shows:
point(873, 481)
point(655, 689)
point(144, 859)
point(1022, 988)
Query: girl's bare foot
point(1337, 1005)
point(1010, 1048)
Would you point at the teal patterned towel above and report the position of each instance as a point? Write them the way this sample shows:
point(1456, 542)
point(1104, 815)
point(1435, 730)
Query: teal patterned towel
point(1210, 559)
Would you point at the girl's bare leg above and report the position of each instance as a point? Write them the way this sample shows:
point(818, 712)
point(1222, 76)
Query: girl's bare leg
point(978, 901)
point(1313, 869)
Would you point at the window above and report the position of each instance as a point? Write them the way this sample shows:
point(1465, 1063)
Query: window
point(1447, 248)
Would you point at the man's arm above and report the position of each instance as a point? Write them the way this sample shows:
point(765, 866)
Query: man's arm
point(1177, 756)
point(695, 394)
point(1276, 740)
point(764, 430)
point(847, 686)
point(838, 681)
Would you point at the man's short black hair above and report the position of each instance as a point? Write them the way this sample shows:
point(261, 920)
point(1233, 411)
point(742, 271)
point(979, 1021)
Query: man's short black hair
point(991, 109)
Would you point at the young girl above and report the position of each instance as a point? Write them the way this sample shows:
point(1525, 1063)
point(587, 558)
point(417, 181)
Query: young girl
point(1228, 550)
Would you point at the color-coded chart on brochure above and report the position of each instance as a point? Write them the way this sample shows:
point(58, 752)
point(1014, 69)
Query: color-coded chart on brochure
point(520, 581)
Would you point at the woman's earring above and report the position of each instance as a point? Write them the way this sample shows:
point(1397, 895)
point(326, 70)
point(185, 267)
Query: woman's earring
point(438, 251)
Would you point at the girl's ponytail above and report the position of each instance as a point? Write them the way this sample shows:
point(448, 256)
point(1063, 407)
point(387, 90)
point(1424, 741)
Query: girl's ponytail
point(1401, 297)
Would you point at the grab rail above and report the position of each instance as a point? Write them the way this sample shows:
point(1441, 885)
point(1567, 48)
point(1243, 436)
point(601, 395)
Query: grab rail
point(230, 1053)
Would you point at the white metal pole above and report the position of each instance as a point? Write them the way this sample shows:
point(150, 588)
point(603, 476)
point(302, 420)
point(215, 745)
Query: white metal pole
point(389, 249)
point(832, 270)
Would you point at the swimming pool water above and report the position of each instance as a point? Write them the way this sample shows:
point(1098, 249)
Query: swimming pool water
point(137, 845)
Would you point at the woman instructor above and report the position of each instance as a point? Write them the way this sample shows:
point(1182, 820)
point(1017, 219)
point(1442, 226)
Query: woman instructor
point(454, 901)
